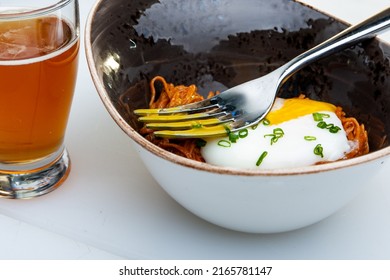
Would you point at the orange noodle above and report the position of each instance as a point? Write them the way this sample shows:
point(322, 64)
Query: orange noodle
point(172, 96)
point(355, 133)
point(175, 95)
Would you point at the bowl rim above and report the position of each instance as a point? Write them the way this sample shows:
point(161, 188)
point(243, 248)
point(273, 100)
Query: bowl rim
point(176, 159)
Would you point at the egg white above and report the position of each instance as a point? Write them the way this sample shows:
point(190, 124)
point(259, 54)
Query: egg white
point(290, 150)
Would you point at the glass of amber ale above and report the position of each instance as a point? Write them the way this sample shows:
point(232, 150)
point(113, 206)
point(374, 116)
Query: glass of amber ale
point(39, 44)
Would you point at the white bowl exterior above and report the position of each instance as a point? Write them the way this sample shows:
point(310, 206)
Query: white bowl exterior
point(264, 202)
point(284, 203)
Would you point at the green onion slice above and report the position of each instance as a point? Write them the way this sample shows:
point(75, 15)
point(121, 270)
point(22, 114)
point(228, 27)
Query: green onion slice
point(233, 137)
point(334, 129)
point(320, 116)
point(261, 158)
point(224, 143)
point(319, 150)
point(322, 124)
point(277, 134)
point(243, 133)
point(310, 138)
point(266, 122)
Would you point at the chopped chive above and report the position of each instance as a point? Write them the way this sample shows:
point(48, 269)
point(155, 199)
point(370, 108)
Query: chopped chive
point(329, 126)
point(224, 143)
point(243, 133)
point(334, 129)
point(254, 126)
point(317, 117)
point(277, 134)
point(319, 150)
point(233, 137)
point(310, 138)
point(261, 158)
point(322, 124)
point(278, 131)
point(266, 122)
point(320, 116)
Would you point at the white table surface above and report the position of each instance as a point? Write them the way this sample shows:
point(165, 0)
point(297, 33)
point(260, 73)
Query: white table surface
point(110, 207)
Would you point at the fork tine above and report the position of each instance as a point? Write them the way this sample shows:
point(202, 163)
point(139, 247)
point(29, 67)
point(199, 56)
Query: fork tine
point(203, 132)
point(171, 118)
point(189, 124)
point(204, 105)
point(182, 117)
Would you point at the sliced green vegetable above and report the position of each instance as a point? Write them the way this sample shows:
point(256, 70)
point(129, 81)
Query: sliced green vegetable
point(319, 150)
point(334, 129)
point(261, 158)
point(243, 133)
point(310, 138)
point(277, 134)
point(224, 143)
point(233, 137)
point(320, 116)
point(322, 124)
point(266, 122)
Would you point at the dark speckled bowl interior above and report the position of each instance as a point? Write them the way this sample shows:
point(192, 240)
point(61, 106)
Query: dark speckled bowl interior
point(218, 44)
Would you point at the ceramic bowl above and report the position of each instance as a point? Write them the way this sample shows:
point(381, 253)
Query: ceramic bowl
point(216, 45)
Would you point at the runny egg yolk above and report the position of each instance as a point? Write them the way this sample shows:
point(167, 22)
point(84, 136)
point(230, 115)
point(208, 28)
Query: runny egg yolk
point(288, 109)
point(297, 132)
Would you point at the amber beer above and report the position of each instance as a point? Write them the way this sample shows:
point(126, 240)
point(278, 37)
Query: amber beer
point(38, 67)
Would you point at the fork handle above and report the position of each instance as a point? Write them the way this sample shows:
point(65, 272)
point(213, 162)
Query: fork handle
point(367, 29)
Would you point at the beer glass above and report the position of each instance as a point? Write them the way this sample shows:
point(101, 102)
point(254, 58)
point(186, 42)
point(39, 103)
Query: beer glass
point(39, 44)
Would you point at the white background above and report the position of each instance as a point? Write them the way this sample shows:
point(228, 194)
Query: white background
point(110, 207)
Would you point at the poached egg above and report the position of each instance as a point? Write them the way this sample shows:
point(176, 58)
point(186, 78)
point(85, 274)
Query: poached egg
point(296, 132)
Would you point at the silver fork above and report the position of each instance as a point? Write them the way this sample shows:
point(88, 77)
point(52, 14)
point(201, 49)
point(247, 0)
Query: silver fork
point(247, 104)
